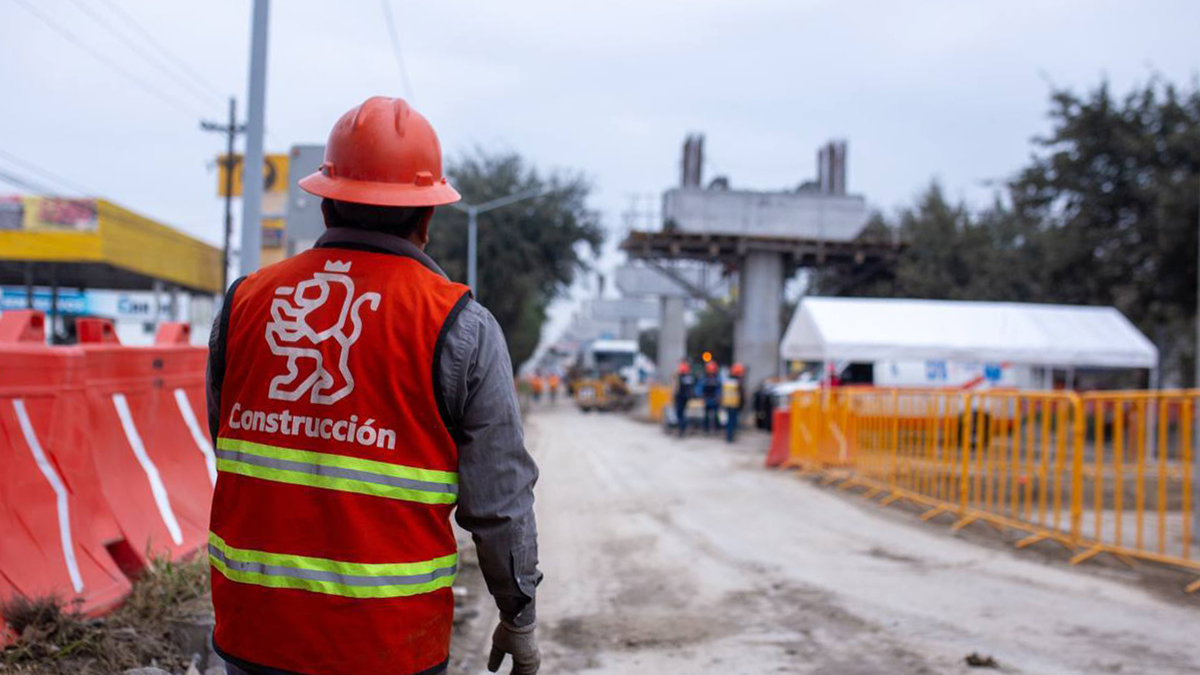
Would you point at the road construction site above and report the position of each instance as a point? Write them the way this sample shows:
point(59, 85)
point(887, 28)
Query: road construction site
point(666, 555)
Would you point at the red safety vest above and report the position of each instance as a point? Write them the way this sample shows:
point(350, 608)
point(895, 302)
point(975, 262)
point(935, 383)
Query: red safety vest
point(331, 544)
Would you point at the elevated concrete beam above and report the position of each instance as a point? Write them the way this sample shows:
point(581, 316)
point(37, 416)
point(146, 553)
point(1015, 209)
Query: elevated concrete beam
point(621, 309)
point(637, 281)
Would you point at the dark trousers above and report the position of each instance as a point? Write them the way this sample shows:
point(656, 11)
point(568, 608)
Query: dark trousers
point(681, 415)
point(711, 423)
point(731, 423)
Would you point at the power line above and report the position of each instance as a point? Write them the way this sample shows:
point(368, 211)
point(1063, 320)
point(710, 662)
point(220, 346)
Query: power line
point(23, 183)
point(395, 38)
point(141, 51)
point(45, 173)
point(122, 214)
point(103, 58)
point(149, 38)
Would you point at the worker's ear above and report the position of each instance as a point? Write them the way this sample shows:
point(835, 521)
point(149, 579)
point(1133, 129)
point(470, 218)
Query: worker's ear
point(420, 235)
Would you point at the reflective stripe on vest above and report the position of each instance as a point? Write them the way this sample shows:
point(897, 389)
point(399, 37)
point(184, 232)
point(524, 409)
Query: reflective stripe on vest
point(336, 472)
point(731, 396)
point(331, 577)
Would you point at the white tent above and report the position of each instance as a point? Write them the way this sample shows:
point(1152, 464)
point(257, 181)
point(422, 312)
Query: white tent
point(869, 330)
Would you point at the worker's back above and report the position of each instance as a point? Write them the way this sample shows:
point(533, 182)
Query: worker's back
point(710, 388)
point(685, 386)
point(331, 541)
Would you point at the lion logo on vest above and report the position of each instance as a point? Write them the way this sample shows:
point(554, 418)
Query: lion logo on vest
point(300, 322)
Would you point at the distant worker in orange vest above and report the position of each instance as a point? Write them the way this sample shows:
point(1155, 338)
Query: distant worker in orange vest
point(357, 395)
point(553, 383)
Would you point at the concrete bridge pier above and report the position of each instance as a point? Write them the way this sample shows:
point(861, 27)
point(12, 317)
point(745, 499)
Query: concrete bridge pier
point(757, 327)
point(672, 336)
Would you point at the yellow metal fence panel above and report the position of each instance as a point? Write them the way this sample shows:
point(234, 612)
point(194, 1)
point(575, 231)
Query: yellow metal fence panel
point(1106, 472)
point(1136, 477)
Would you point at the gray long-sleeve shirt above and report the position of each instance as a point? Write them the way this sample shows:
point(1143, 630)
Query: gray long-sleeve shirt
point(496, 473)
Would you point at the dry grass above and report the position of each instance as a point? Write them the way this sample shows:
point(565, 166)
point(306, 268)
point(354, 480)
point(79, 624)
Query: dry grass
point(55, 640)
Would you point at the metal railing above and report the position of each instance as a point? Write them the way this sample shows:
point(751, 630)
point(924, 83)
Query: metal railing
point(1105, 472)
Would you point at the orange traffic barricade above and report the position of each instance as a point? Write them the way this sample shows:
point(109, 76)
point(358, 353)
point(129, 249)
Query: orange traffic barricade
point(58, 536)
point(147, 416)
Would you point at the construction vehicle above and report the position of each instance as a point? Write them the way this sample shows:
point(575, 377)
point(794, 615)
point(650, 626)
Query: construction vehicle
point(605, 393)
point(608, 374)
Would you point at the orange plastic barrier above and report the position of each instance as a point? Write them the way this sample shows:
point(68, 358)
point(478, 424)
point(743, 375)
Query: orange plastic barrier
point(146, 408)
point(781, 437)
point(57, 534)
point(105, 456)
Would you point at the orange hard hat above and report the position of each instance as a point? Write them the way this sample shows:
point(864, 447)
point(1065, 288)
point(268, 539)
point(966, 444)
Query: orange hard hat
point(710, 367)
point(384, 153)
point(737, 370)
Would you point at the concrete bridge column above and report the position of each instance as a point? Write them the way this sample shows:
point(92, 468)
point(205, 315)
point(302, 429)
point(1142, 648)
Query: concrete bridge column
point(672, 337)
point(628, 328)
point(757, 328)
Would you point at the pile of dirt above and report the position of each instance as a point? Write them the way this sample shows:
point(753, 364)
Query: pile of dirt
point(53, 639)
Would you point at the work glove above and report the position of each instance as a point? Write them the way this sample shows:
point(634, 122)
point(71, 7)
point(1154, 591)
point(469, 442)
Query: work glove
point(521, 642)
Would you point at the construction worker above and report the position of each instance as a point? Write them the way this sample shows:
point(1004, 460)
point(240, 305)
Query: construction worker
point(733, 397)
point(710, 391)
point(685, 386)
point(536, 385)
point(553, 384)
point(357, 395)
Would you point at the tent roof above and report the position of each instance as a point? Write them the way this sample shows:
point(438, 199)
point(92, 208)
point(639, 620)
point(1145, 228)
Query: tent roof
point(869, 329)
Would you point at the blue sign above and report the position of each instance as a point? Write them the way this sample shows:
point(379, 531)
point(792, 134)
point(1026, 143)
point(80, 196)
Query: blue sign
point(70, 302)
point(137, 307)
point(993, 372)
point(935, 371)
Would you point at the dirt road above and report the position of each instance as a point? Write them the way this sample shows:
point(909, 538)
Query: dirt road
point(667, 557)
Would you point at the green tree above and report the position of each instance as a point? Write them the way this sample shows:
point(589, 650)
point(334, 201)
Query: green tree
point(1114, 190)
point(1104, 214)
point(530, 252)
point(939, 260)
point(942, 259)
point(713, 332)
point(648, 343)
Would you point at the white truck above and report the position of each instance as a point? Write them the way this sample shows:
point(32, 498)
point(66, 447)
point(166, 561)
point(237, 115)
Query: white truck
point(604, 356)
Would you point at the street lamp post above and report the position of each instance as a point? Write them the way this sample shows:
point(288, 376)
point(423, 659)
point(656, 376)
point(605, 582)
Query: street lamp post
point(473, 211)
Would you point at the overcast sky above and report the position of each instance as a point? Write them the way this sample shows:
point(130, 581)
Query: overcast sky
point(946, 89)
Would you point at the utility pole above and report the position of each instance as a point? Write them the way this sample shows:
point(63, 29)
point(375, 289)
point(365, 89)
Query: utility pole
point(473, 211)
point(252, 186)
point(231, 130)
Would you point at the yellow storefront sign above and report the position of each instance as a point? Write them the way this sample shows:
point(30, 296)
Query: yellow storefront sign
point(275, 174)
